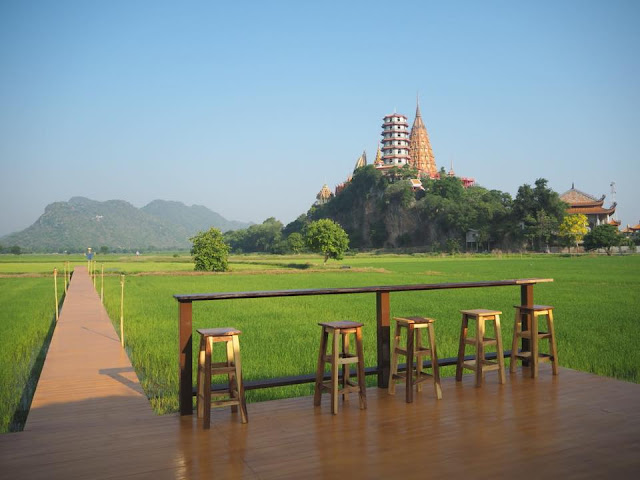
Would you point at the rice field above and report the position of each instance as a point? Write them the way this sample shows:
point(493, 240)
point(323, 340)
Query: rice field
point(595, 298)
point(26, 325)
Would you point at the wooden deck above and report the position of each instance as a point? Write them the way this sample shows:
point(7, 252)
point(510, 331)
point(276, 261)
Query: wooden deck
point(90, 420)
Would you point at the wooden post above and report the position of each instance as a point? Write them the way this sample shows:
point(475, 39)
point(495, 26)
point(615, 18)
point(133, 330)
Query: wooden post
point(185, 380)
point(102, 285)
point(383, 336)
point(55, 289)
point(122, 310)
point(526, 299)
point(94, 274)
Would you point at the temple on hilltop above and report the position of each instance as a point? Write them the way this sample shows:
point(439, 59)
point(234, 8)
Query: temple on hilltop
point(324, 195)
point(400, 147)
point(592, 207)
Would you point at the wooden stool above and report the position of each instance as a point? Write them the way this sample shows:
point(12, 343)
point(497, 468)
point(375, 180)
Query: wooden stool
point(232, 368)
point(344, 358)
point(480, 364)
point(414, 349)
point(533, 354)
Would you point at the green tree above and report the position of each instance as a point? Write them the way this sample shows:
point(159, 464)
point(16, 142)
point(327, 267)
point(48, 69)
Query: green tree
point(16, 250)
point(296, 242)
point(603, 236)
point(104, 249)
point(328, 238)
point(538, 212)
point(209, 251)
point(573, 229)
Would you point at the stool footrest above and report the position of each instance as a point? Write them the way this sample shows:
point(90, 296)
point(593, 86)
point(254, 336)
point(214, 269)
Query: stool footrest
point(485, 341)
point(485, 365)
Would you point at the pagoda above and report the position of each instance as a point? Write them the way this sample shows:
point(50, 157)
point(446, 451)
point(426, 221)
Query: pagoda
point(395, 141)
point(583, 203)
point(420, 154)
point(324, 195)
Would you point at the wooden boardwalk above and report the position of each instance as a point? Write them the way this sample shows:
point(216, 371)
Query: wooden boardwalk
point(90, 420)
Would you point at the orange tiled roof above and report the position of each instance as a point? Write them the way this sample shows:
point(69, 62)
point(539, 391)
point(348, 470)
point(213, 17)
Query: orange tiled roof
point(575, 197)
point(590, 210)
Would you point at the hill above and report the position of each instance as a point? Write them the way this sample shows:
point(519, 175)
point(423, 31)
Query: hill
point(194, 218)
point(74, 225)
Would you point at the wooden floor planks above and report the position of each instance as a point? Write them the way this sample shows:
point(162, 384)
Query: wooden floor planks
point(90, 420)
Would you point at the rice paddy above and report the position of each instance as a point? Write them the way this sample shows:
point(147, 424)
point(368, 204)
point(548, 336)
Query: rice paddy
point(596, 298)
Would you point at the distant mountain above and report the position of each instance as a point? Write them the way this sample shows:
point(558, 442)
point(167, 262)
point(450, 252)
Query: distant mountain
point(194, 218)
point(80, 223)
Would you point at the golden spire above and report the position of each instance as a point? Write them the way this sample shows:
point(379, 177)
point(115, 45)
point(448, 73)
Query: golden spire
point(378, 160)
point(362, 161)
point(420, 153)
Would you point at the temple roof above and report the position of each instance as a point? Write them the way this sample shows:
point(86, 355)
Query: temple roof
point(575, 197)
point(420, 150)
point(591, 209)
point(324, 193)
point(362, 161)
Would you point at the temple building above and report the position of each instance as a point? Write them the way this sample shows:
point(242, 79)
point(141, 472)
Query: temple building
point(592, 207)
point(395, 141)
point(324, 195)
point(400, 147)
point(420, 153)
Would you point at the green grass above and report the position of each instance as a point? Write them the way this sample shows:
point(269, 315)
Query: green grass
point(28, 309)
point(595, 300)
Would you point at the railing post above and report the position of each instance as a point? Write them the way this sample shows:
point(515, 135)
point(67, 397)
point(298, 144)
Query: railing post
point(185, 380)
point(526, 299)
point(383, 337)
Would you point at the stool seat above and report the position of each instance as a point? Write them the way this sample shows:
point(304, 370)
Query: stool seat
point(480, 363)
point(414, 320)
point(526, 327)
point(414, 349)
point(218, 332)
point(340, 358)
point(231, 368)
point(341, 325)
point(480, 311)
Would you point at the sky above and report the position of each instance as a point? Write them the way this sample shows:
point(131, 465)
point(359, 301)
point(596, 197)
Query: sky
point(248, 108)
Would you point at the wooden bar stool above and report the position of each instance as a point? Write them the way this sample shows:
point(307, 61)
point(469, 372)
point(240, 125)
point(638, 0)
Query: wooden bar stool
point(530, 315)
point(480, 364)
point(232, 368)
point(342, 358)
point(414, 348)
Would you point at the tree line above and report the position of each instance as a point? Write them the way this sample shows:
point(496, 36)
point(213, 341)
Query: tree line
point(385, 211)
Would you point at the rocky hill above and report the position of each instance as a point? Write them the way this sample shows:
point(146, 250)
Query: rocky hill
point(79, 223)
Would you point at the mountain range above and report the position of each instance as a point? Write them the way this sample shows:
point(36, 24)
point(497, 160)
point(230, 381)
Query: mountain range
point(116, 224)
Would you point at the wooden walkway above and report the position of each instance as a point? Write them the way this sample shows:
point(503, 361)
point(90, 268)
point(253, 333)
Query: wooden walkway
point(90, 420)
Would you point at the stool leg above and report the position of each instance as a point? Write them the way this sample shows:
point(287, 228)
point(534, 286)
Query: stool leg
point(394, 361)
point(238, 379)
point(463, 337)
point(517, 329)
point(334, 371)
point(317, 395)
point(434, 361)
point(419, 358)
point(480, 327)
point(500, 350)
point(206, 416)
point(552, 341)
point(346, 368)
point(409, 371)
point(201, 379)
point(533, 328)
point(361, 380)
point(232, 376)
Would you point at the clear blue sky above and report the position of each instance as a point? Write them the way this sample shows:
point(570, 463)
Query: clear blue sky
point(249, 108)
